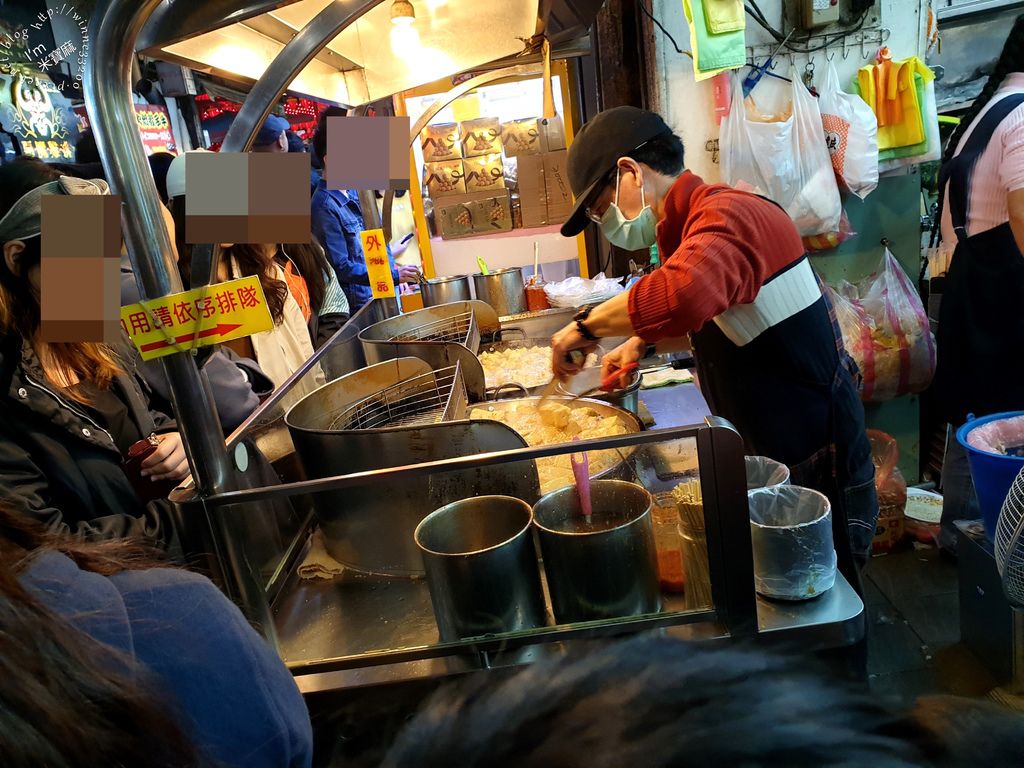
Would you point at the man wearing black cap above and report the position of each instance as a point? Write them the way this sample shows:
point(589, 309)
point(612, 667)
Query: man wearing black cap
point(736, 285)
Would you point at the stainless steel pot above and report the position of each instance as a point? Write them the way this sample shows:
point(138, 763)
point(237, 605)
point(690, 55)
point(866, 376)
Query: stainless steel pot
point(628, 397)
point(369, 528)
point(604, 568)
point(504, 290)
point(482, 568)
point(445, 290)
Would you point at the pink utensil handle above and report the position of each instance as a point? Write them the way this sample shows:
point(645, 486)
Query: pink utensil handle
point(581, 471)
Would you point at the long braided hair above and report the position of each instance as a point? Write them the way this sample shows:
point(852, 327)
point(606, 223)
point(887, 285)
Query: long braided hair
point(1011, 59)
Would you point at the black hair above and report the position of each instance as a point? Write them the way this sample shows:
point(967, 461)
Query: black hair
point(320, 134)
point(1011, 59)
point(159, 162)
point(663, 154)
point(66, 700)
point(653, 701)
point(86, 150)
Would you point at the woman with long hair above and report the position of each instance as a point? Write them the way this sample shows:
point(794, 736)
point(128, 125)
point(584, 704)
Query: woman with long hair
point(100, 663)
point(71, 411)
point(981, 329)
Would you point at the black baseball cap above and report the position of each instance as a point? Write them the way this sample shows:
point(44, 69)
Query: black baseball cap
point(596, 150)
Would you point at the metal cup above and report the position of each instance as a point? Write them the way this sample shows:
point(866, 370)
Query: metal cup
point(604, 569)
point(482, 567)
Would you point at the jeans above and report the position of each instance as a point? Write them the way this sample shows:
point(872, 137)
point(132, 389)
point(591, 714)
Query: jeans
point(959, 502)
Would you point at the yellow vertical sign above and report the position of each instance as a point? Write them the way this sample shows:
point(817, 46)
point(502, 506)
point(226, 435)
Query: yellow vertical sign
point(378, 266)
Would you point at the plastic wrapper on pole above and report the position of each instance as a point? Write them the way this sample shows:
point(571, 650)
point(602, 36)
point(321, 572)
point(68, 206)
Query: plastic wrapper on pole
point(791, 532)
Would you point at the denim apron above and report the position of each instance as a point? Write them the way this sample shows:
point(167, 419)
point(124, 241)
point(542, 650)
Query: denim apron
point(981, 328)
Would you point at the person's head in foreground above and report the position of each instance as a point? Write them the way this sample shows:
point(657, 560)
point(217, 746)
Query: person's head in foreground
point(660, 703)
point(621, 166)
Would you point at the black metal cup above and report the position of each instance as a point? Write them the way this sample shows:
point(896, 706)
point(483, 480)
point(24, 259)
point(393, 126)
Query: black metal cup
point(482, 567)
point(602, 569)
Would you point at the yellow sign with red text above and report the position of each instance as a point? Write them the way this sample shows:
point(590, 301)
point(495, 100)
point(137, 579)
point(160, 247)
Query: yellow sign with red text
point(378, 266)
point(197, 318)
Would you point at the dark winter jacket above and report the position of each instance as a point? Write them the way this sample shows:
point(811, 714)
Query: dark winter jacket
point(61, 467)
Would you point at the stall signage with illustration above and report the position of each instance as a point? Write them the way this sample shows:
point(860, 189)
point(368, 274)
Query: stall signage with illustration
point(155, 129)
point(378, 266)
point(201, 317)
point(33, 111)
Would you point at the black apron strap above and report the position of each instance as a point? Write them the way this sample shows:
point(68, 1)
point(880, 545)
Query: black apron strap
point(958, 171)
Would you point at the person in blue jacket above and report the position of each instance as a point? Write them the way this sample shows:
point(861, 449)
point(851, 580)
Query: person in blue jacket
point(107, 658)
point(337, 220)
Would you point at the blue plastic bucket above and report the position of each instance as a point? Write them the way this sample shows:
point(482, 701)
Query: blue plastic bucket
point(993, 473)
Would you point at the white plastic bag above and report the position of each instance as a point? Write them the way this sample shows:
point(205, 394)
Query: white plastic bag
point(578, 291)
point(851, 135)
point(786, 161)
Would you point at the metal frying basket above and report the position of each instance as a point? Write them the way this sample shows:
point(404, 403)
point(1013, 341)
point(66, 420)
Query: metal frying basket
point(430, 398)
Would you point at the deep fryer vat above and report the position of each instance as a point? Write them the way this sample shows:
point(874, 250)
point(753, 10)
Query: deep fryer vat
point(370, 529)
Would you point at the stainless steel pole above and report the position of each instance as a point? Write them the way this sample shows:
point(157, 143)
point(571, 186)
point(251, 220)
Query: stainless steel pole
point(115, 27)
point(292, 59)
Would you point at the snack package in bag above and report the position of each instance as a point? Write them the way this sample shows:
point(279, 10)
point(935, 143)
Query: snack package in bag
point(784, 160)
point(886, 331)
point(851, 135)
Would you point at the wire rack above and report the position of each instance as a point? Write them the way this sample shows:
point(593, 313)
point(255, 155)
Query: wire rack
point(457, 329)
point(430, 398)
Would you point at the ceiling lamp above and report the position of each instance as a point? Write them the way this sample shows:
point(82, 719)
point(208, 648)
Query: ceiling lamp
point(402, 12)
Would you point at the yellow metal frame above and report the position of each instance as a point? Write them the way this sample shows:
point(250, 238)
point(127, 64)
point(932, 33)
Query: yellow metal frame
point(440, 87)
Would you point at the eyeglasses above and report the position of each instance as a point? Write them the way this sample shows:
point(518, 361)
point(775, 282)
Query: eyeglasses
point(591, 214)
point(589, 211)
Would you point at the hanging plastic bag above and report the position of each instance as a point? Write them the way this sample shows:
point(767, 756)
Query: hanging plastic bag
point(931, 149)
point(785, 160)
point(886, 331)
point(851, 135)
point(830, 240)
point(891, 489)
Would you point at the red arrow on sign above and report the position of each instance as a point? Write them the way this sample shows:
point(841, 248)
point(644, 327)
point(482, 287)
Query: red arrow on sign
point(223, 329)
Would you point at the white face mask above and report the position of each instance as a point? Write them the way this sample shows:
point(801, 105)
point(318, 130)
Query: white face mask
point(630, 234)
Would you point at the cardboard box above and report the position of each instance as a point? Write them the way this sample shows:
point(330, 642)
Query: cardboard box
point(552, 134)
point(441, 142)
point(474, 214)
point(445, 178)
point(480, 137)
point(484, 174)
point(520, 137)
point(544, 194)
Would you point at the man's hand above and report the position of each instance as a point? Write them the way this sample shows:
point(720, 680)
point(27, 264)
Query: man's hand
point(630, 351)
point(562, 343)
point(408, 274)
point(168, 461)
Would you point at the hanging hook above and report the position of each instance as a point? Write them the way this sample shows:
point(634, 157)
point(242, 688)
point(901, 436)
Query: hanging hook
point(863, 54)
point(830, 58)
point(845, 52)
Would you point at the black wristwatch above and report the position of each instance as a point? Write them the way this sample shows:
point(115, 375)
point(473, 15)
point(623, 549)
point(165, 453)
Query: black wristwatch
point(580, 316)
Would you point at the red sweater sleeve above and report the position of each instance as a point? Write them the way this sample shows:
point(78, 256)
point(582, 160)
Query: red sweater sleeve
point(734, 243)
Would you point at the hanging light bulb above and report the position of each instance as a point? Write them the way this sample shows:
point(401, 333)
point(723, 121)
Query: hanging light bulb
point(402, 12)
point(405, 40)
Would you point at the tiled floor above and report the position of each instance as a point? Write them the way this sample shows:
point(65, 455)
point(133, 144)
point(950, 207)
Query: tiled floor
point(914, 644)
